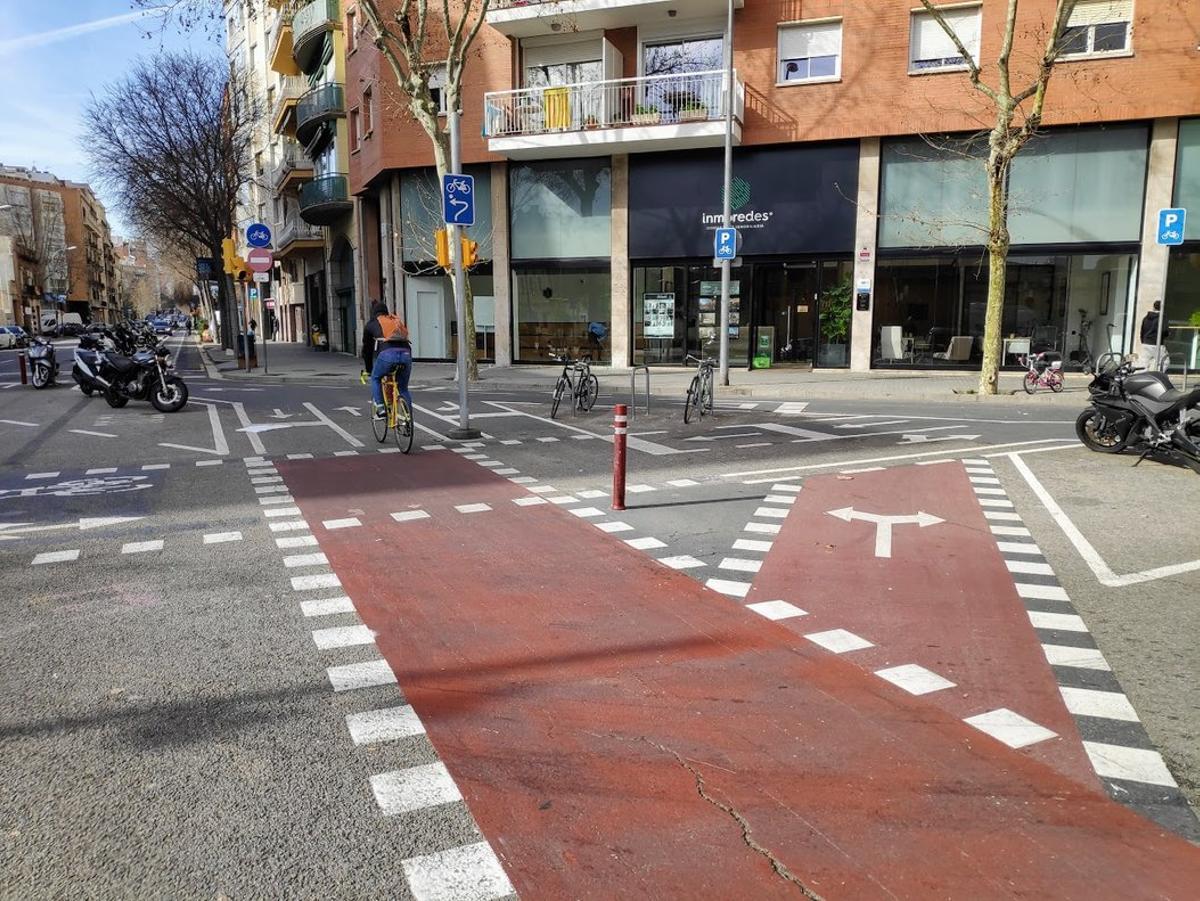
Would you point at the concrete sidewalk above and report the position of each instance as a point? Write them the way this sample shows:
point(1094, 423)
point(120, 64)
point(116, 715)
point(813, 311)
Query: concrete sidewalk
point(297, 363)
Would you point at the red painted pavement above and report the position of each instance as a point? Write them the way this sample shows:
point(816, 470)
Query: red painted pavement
point(944, 600)
point(586, 699)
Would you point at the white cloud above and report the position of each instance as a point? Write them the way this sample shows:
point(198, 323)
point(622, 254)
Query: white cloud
point(55, 35)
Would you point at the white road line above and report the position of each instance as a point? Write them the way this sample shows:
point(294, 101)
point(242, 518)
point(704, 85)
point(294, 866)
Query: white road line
point(1001, 516)
point(1057, 622)
point(310, 583)
point(416, 788)
point(93, 434)
point(1133, 764)
point(141, 547)
point(506, 471)
point(681, 562)
point(1041, 592)
point(467, 873)
point(297, 525)
point(592, 494)
point(563, 499)
point(754, 444)
point(349, 522)
point(762, 528)
point(388, 724)
point(543, 489)
point(530, 501)
point(1029, 567)
point(360, 675)
point(750, 544)
point(350, 439)
point(270, 489)
point(777, 610)
point(739, 564)
point(33, 476)
point(55, 557)
point(547, 440)
point(994, 502)
point(342, 637)
point(1081, 658)
point(682, 483)
point(840, 641)
point(222, 537)
point(779, 499)
point(102, 471)
point(987, 490)
point(282, 511)
point(297, 560)
point(28, 425)
point(1012, 531)
point(771, 512)
point(1017, 547)
point(410, 515)
point(614, 526)
point(639, 489)
point(276, 499)
point(645, 544)
point(327, 607)
point(209, 462)
point(473, 508)
point(475, 457)
point(729, 587)
point(149, 467)
point(1109, 705)
point(523, 480)
point(787, 487)
point(914, 679)
point(1009, 727)
point(293, 541)
point(267, 480)
point(588, 512)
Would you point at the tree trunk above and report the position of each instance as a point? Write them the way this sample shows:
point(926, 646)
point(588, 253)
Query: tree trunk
point(441, 157)
point(998, 242)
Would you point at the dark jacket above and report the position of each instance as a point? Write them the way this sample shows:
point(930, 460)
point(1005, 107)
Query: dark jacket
point(1149, 332)
point(373, 335)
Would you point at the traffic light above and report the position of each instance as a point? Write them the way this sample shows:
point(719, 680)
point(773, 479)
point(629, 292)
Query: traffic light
point(470, 252)
point(441, 239)
point(234, 265)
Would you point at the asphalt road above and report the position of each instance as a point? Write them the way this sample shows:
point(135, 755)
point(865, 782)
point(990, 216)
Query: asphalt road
point(166, 717)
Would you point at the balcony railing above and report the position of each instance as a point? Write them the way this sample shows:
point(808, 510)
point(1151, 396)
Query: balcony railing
point(294, 229)
point(677, 99)
point(319, 105)
point(526, 18)
point(293, 162)
point(310, 24)
point(291, 89)
point(324, 199)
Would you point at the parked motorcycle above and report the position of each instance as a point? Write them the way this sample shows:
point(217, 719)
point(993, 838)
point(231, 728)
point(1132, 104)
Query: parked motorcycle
point(1132, 409)
point(124, 373)
point(42, 361)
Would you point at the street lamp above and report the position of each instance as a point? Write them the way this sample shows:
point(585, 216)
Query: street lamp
point(727, 200)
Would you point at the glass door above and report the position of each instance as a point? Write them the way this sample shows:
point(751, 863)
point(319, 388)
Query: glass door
point(786, 303)
point(704, 296)
point(835, 311)
point(662, 322)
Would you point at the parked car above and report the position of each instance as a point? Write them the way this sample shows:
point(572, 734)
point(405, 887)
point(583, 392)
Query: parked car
point(13, 336)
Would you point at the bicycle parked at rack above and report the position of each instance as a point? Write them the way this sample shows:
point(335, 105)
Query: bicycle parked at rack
point(577, 381)
point(700, 392)
point(398, 419)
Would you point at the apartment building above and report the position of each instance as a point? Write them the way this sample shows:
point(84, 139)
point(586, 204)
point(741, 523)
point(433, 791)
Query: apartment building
point(595, 129)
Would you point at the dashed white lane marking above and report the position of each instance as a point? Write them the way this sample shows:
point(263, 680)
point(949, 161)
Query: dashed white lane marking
point(682, 483)
point(389, 450)
point(681, 562)
point(772, 512)
point(1001, 516)
point(410, 515)
point(222, 537)
point(268, 470)
point(762, 528)
point(1011, 531)
point(645, 544)
point(1041, 592)
point(563, 499)
point(55, 557)
point(914, 679)
point(276, 499)
point(320, 580)
point(266, 480)
point(854, 472)
point(529, 501)
point(388, 724)
point(360, 675)
point(142, 547)
point(41, 475)
point(1029, 567)
point(416, 788)
point(102, 471)
point(473, 508)
point(983, 480)
point(327, 607)
point(1109, 705)
point(346, 453)
point(299, 456)
point(507, 471)
point(92, 434)
point(543, 489)
point(729, 587)
point(547, 440)
point(149, 467)
point(1134, 764)
point(297, 560)
point(751, 544)
point(592, 494)
point(295, 541)
point(740, 564)
point(839, 641)
point(639, 489)
point(1009, 727)
point(467, 873)
point(210, 462)
point(282, 511)
point(754, 444)
point(1059, 622)
point(297, 525)
point(342, 637)
point(509, 442)
point(587, 512)
point(271, 489)
point(349, 522)
point(786, 487)
point(613, 526)
point(779, 499)
point(1081, 658)
point(994, 502)
point(1018, 547)
point(490, 464)
point(474, 456)
point(776, 610)
point(523, 480)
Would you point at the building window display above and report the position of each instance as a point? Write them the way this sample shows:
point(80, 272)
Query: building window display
point(561, 209)
point(562, 309)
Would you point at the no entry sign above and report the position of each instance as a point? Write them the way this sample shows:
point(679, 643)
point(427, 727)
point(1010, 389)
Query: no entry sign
point(259, 260)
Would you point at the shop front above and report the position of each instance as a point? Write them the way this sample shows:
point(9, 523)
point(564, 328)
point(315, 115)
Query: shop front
point(790, 294)
point(1181, 301)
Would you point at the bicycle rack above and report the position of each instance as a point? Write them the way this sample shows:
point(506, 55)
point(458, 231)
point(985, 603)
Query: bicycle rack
point(633, 389)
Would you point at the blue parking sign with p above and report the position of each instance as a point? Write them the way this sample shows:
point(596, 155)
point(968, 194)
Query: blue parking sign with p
point(458, 199)
point(725, 244)
point(1171, 223)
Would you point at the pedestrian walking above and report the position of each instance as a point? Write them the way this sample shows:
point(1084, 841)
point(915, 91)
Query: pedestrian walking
point(1153, 355)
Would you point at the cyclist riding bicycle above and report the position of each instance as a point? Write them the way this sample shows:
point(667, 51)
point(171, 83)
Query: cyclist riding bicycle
point(388, 335)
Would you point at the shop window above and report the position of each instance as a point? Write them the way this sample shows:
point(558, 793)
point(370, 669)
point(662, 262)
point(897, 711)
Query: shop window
point(561, 209)
point(810, 51)
point(1187, 175)
point(562, 310)
point(1097, 27)
point(931, 49)
point(933, 193)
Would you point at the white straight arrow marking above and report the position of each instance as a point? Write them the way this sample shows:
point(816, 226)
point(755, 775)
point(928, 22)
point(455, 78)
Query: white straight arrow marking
point(884, 524)
point(279, 414)
point(353, 411)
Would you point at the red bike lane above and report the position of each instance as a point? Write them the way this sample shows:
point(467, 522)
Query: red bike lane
point(617, 730)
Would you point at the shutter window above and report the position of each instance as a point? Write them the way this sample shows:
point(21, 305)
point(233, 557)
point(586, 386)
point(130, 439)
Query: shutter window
point(1100, 12)
point(810, 51)
point(932, 47)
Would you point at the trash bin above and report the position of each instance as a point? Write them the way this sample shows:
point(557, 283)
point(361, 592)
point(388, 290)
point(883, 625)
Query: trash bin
point(242, 341)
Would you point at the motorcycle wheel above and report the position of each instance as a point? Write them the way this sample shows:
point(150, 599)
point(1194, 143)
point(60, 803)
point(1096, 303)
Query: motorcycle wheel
point(171, 398)
point(1085, 430)
point(86, 390)
point(115, 400)
point(41, 376)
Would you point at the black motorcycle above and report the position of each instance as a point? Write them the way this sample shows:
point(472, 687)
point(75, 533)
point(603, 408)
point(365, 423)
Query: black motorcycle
point(42, 362)
point(124, 373)
point(1141, 411)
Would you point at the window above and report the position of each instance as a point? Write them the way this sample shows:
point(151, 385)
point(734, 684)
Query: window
point(437, 89)
point(931, 49)
point(1097, 27)
point(810, 52)
point(367, 113)
point(351, 33)
point(355, 129)
point(682, 56)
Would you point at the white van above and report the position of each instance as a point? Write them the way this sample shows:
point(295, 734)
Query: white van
point(50, 321)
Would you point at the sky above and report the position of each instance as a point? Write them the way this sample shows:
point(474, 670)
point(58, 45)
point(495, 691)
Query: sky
point(54, 53)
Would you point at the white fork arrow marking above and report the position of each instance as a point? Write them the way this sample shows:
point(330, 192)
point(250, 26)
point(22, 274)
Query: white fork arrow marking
point(884, 524)
point(353, 411)
point(279, 414)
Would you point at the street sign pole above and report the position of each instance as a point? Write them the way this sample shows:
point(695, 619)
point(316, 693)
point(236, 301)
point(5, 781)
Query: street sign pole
point(464, 432)
point(1171, 226)
point(727, 204)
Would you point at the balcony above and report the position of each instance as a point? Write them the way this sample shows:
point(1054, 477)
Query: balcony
point(320, 105)
point(291, 89)
point(526, 18)
point(294, 235)
point(627, 115)
point(325, 199)
point(293, 168)
point(282, 60)
point(310, 24)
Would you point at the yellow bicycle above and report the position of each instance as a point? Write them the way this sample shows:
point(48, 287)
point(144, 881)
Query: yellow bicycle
point(398, 419)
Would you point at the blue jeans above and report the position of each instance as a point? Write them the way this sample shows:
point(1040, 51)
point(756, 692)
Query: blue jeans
point(398, 358)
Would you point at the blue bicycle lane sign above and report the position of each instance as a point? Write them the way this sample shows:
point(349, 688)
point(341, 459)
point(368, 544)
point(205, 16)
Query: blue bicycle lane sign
point(458, 199)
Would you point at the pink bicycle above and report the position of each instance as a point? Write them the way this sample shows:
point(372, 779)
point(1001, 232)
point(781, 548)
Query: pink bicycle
point(1044, 370)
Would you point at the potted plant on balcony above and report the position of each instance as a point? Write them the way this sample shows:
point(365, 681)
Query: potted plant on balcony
point(646, 115)
point(693, 111)
point(591, 122)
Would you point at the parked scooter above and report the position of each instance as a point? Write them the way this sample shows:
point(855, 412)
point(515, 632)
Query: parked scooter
point(1141, 411)
point(42, 362)
point(124, 373)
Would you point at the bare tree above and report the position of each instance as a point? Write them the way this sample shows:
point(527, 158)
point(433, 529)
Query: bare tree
point(1018, 115)
point(172, 143)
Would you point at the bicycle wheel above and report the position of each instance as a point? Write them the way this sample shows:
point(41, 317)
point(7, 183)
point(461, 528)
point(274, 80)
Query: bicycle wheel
point(693, 399)
point(1031, 383)
point(559, 390)
point(404, 428)
point(588, 392)
point(380, 426)
point(1056, 382)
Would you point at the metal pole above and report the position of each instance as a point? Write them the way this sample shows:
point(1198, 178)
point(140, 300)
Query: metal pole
point(727, 199)
point(620, 429)
point(464, 430)
point(1158, 348)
